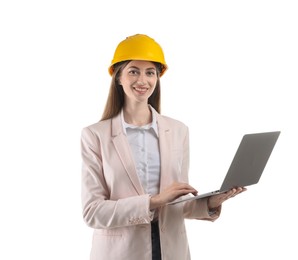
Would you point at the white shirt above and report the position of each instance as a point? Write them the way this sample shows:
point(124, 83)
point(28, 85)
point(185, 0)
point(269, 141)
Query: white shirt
point(144, 145)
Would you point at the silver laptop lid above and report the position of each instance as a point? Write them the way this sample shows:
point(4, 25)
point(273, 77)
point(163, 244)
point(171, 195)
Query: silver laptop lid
point(250, 160)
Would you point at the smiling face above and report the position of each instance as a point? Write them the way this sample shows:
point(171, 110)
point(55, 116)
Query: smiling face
point(138, 80)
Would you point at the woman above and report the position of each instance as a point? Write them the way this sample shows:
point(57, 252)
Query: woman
point(135, 161)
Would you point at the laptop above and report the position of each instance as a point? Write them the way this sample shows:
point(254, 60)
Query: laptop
point(247, 165)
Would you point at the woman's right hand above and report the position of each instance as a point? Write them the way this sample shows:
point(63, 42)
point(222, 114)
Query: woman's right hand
point(171, 193)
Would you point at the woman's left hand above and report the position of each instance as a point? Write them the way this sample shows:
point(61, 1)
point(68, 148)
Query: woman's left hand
point(216, 200)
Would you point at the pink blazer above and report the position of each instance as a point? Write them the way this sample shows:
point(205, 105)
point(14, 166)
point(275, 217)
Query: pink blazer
point(113, 200)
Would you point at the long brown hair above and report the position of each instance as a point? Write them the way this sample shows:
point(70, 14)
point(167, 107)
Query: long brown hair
point(115, 99)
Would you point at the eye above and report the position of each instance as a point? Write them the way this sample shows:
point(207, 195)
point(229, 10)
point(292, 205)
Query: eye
point(151, 73)
point(133, 72)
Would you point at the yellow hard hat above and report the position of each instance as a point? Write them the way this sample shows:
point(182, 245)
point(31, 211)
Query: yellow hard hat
point(139, 47)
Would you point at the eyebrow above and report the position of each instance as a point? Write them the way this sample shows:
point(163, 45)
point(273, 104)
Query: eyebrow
point(134, 67)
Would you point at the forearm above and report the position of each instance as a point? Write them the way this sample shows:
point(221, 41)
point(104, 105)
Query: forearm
point(123, 212)
point(198, 209)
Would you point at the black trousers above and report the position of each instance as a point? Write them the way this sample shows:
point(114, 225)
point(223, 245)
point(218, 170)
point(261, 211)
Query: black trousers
point(156, 254)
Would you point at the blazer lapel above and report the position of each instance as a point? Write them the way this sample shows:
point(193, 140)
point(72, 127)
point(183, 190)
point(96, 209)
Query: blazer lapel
point(123, 149)
point(165, 151)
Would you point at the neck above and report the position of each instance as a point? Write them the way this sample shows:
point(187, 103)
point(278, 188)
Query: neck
point(137, 115)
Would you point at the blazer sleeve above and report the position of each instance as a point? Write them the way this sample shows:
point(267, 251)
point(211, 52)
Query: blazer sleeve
point(98, 210)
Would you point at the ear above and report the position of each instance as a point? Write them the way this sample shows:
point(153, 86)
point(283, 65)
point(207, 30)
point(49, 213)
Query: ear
point(118, 81)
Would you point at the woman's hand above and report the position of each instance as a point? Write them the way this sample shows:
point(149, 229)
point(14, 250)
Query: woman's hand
point(171, 193)
point(216, 200)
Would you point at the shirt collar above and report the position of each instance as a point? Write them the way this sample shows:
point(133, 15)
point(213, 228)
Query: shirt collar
point(152, 125)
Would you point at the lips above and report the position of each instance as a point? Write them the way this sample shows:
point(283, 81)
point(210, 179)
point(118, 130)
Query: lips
point(140, 90)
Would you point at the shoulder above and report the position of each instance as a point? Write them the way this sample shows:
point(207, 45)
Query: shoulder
point(97, 128)
point(178, 129)
point(169, 122)
point(166, 122)
point(173, 121)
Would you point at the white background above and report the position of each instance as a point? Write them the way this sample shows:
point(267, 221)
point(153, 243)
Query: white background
point(232, 70)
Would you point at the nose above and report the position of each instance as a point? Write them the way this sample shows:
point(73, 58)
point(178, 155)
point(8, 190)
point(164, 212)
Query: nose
point(140, 83)
point(141, 79)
